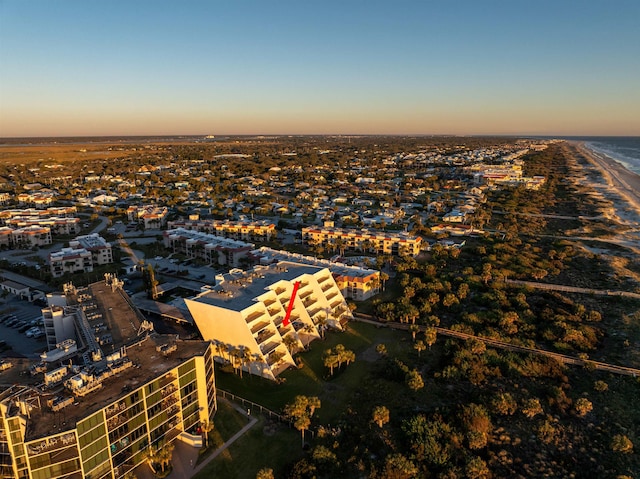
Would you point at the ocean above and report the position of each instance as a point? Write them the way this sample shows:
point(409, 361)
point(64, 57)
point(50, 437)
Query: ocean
point(624, 149)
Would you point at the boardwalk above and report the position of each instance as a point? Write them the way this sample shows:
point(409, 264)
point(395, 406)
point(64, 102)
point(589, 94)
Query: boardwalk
point(612, 368)
point(572, 289)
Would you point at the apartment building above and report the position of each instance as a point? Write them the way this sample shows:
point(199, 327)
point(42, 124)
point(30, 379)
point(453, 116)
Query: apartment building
point(83, 253)
point(378, 242)
point(100, 421)
point(106, 392)
point(32, 213)
point(70, 260)
point(58, 226)
point(210, 248)
point(99, 248)
point(30, 236)
point(240, 230)
point(250, 318)
point(150, 216)
point(354, 282)
point(39, 199)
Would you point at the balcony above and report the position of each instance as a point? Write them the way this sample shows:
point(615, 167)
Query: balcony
point(332, 295)
point(337, 302)
point(253, 316)
point(167, 379)
point(264, 335)
point(267, 348)
point(259, 326)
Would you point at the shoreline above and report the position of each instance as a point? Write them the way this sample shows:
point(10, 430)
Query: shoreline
point(619, 181)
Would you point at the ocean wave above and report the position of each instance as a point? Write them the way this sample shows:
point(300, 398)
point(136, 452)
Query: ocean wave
point(630, 159)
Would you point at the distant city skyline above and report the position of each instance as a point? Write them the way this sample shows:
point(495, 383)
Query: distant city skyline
point(73, 68)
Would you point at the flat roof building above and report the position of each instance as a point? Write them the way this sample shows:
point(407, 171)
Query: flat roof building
point(99, 422)
point(378, 242)
point(354, 282)
point(93, 408)
point(210, 248)
point(245, 314)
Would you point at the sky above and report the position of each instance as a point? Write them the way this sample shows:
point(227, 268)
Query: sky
point(518, 67)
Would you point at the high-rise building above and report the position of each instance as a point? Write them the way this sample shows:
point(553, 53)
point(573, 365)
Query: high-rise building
point(99, 422)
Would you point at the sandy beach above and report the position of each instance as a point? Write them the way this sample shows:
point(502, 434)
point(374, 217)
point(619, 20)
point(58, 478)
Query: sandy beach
point(620, 182)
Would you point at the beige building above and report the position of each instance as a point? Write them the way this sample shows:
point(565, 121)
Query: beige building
point(70, 260)
point(83, 254)
point(212, 249)
point(151, 216)
point(95, 405)
point(244, 314)
point(99, 248)
point(378, 242)
point(31, 236)
point(240, 230)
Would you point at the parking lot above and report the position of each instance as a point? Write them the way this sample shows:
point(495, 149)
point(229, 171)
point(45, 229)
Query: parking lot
point(21, 345)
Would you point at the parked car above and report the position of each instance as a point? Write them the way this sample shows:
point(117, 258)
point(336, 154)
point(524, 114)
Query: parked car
point(24, 327)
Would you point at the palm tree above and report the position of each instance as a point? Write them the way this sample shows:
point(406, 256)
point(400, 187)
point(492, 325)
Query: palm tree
point(290, 342)
point(235, 356)
point(380, 415)
point(300, 411)
point(414, 328)
point(383, 277)
point(430, 336)
point(322, 325)
point(206, 427)
point(330, 360)
point(419, 346)
point(151, 456)
point(223, 349)
point(245, 358)
point(165, 455)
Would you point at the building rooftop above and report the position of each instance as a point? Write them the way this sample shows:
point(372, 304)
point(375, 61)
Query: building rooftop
point(238, 289)
point(341, 269)
point(148, 363)
point(210, 240)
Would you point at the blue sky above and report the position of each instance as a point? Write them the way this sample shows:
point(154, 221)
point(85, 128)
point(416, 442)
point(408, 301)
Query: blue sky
point(260, 67)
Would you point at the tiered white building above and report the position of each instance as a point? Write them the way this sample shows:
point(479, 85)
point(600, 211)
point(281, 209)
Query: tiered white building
point(244, 314)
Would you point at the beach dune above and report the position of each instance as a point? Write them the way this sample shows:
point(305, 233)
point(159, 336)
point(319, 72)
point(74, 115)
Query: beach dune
point(621, 182)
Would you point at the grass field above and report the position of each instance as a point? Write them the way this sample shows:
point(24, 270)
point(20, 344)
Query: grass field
point(313, 379)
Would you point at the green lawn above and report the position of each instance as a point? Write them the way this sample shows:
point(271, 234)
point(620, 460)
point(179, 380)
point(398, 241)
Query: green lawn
point(313, 378)
point(266, 444)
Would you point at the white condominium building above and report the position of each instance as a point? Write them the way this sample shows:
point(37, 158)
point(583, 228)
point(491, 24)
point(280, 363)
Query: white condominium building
point(355, 282)
point(247, 314)
point(210, 248)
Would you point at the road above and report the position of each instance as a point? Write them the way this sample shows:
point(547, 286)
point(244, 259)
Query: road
point(612, 368)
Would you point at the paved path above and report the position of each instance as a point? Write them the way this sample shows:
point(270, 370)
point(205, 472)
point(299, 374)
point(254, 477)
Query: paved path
point(185, 456)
